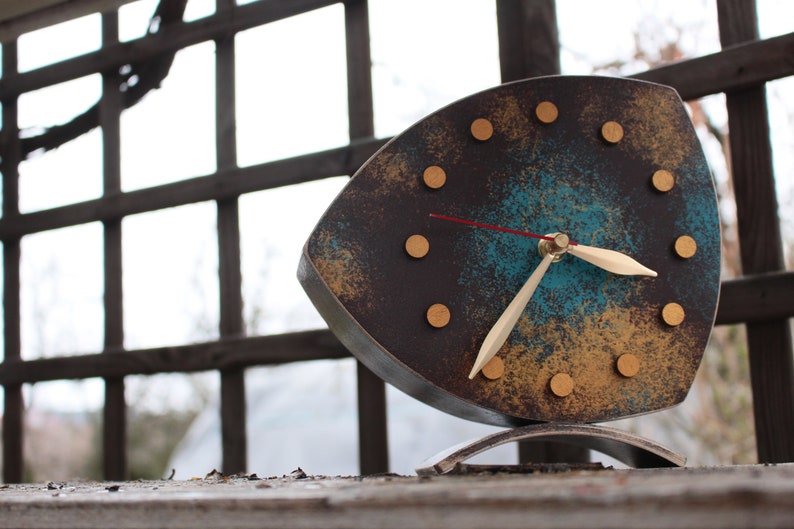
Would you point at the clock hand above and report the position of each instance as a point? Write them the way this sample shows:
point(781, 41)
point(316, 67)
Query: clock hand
point(501, 330)
point(610, 260)
point(497, 228)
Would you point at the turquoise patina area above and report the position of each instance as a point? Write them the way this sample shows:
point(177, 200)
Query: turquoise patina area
point(548, 194)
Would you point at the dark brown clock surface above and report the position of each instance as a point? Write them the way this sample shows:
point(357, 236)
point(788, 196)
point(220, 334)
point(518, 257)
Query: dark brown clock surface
point(612, 163)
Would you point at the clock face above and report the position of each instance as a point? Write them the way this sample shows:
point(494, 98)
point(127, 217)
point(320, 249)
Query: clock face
point(611, 163)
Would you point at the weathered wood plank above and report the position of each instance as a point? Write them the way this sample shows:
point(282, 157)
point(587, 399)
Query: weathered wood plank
point(234, 441)
point(757, 298)
point(13, 415)
point(528, 38)
point(225, 354)
point(57, 11)
point(373, 450)
point(9, 134)
point(730, 497)
point(373, 439)
point(770, 346)
point(734, 68)
point(13, 433)
point(233, 401)
point(114, 422)
point(359, 70)
point(218, 186)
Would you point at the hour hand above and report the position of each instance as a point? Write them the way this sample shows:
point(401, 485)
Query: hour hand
point(610, 260)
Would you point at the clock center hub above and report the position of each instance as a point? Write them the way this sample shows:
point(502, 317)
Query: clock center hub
point(557, 246)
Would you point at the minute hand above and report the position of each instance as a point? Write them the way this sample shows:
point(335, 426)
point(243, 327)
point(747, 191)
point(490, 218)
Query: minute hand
point(501, 330)
point(610, 260)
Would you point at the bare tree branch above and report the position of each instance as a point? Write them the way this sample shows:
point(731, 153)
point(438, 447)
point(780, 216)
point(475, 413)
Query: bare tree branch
point(138, 79)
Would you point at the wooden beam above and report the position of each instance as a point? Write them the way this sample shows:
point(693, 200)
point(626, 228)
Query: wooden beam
point(528, 38)
point(757, 298)
point(14, 409)
point(218, 186)
point(31, 15)
point(224, 354)
point(373, 438)
point(114, 413)
point(737, 67)
point(769, 342)
point(359, 71)
point(234, 441)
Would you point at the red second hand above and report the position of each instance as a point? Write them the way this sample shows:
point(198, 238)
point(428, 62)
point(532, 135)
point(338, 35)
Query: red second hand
point(497, 228)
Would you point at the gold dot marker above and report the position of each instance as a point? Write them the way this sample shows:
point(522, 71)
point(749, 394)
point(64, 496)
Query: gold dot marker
point(434, 177)
point(663, 181)
point(417, 246)
point(481, 129)
point(628, 365)
point(438, 315)
point(612, 132)
point(494, 369)
point(561, 384)
point(673, 314)
point(685, 247)
point(546, 112)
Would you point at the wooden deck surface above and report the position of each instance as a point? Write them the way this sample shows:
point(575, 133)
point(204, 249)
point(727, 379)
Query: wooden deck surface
point(725, 497)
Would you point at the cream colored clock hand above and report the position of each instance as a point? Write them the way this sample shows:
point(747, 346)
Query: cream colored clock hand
point(610, 260)
point(501, 330)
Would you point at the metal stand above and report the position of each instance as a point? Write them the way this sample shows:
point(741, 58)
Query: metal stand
point(627, 448)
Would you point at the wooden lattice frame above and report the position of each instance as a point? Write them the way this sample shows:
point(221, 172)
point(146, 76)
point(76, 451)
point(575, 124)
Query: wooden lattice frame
point(763, 299)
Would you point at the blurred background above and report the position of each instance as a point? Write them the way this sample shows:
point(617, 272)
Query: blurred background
point(425, 54)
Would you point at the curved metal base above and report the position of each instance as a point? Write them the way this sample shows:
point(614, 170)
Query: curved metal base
point(627, 448)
